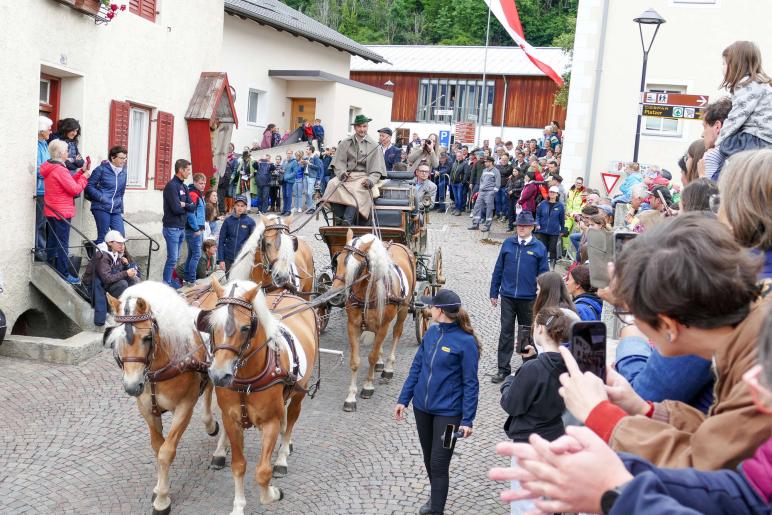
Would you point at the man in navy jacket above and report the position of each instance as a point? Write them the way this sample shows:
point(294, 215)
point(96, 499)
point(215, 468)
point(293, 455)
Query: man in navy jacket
point(177, 205)
point(391, 154)
point(520, 261)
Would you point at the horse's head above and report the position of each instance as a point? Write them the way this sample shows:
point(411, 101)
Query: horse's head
point(278, 250)
point(236, 328)
point(349, 264)
point(133, 340)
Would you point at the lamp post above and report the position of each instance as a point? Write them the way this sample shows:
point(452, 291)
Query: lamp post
point(649, 17)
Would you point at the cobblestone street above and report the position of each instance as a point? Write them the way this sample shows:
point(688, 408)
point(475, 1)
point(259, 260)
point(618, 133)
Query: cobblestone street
point(71, 440)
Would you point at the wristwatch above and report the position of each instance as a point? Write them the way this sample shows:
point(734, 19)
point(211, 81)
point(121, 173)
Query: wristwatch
point(609, 497)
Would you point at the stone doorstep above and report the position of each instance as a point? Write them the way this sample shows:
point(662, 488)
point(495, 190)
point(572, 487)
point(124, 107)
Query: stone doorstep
point(70, 351)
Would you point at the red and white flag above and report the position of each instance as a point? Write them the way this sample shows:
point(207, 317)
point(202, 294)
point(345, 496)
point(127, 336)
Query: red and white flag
point(506, 12)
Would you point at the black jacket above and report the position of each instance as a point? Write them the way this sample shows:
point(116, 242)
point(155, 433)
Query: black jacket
point(531, 399)
point(175, 192)
point(459, 172)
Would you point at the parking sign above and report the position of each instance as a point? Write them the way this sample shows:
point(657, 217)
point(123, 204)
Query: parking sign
point(445, 139)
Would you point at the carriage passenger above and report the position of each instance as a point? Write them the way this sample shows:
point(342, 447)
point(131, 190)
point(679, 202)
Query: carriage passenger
point(442, 383)
point(236, 229)
point(424, 188)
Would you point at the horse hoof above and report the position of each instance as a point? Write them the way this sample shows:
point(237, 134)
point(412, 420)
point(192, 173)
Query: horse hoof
point(216, 429)
point(279, 470)
point(218, 462)
point(387, 375)
point(379, 367)
point(152, 498)
point(165, 511)
point(281, 493)
point(291, 448)
point(350, 406)
point(366, 394)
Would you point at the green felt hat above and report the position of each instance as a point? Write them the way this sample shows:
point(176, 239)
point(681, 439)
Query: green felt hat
point(361, 119)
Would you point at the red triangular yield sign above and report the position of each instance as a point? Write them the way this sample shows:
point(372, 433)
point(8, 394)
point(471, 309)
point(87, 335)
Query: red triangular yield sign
point(609, 180)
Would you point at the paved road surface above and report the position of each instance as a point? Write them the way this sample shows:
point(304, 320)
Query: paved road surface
point(71, 441)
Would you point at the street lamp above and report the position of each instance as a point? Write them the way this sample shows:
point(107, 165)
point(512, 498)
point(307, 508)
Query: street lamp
point(648, 17)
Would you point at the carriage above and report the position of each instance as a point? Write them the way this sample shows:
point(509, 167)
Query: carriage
point(399, 217)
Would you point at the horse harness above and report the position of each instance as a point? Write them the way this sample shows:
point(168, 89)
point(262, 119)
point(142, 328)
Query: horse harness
point(272, 372)
point(169, 371)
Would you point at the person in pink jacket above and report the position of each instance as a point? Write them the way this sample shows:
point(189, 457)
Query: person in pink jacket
point(60, 190)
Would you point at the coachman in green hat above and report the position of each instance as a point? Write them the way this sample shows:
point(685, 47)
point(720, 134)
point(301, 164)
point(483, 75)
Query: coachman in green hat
point(358, 167)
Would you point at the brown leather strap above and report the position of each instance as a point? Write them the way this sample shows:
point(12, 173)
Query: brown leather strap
point(245, 423)
point(155, 410)
point(174, 369)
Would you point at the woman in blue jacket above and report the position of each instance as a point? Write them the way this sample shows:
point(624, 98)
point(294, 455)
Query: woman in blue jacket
point(442, 383)
point(105, 190)
point(291, 169)
point(550, 219)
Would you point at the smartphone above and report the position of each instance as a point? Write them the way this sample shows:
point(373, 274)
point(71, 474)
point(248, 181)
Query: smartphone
point(620, 239)
point(88, 163)
point(524, 338)
point(588, 346)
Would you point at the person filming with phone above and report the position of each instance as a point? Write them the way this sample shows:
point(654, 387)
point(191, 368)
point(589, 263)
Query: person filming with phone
point(443, 385)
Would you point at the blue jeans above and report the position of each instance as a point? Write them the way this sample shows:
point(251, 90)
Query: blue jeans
point(58, 243)
point(458, 194)
point(286, 196)
point(174, 237)
point(297, 194)
point(576, 239)
point(442, 185)
point(40, 230)
point(194, 254)
point(106, 221)
point(323, 185)
point(310, 183)
point(263, 198)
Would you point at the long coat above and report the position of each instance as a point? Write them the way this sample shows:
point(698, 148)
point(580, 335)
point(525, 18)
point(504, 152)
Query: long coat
point(360, 161)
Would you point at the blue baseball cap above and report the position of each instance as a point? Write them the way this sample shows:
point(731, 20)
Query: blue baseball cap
point(447, 300)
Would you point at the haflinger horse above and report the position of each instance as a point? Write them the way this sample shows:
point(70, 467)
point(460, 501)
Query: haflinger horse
point(275, 259)
point(261, 367)
point(164, 363)
point(373, 301)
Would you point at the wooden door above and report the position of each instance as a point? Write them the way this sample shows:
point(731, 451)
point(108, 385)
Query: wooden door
point(302, 109)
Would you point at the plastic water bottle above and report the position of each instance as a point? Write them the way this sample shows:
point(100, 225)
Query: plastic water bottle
point(519, 507)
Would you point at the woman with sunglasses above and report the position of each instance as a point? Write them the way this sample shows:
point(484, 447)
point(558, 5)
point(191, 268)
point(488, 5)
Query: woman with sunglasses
point(443, 385)
point(580, 473)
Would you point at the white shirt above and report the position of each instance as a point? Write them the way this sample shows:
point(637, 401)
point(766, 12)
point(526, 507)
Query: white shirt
point(524, 241)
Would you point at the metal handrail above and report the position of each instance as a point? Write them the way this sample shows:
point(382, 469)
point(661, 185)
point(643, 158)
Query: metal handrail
point(155, 246)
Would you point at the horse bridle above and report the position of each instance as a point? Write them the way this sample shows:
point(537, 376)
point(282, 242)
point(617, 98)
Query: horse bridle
point(128, 322)
point(282, 229)
point(350, 250)
point(230, 328)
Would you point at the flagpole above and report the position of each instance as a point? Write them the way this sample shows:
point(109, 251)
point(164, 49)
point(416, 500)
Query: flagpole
point(480, 118)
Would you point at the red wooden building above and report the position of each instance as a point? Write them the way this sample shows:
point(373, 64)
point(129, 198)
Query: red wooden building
point(436, 86)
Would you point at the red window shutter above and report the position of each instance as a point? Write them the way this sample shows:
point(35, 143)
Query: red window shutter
point(143, 8)
point(119, 124)
point(163, 149)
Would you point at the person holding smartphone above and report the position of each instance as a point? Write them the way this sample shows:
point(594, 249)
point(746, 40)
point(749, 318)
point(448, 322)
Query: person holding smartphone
point(443, 385)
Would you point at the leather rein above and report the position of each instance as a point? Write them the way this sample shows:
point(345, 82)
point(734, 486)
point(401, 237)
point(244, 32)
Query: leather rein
point(364, 265)
point(169, 371)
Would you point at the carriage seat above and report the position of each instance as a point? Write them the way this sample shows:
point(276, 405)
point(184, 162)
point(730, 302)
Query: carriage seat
point(388, 218)
point(399, 176)
point(381, 201)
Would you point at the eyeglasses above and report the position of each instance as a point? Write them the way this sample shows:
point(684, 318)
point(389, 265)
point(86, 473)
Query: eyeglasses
point(624, 316)
point(122, 158)
point(760, 393)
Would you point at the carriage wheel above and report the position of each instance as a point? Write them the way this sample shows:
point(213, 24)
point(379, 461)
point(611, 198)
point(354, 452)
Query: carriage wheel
point(323, 284)
point(439, 278)
point(422, 317)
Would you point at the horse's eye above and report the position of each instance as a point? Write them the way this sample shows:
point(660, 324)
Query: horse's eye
point(147, 339)
point(244, 328)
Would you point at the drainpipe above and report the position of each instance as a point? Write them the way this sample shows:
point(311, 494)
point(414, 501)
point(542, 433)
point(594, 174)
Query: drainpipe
point(596, 93)
point(503, 107)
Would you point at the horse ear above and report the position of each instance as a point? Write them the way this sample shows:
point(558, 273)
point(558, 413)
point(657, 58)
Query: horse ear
point(288, 220)
point(251, 294)
point(115, 304)
point(217, 287)
point(264, 219)
point(142, 306)
point(349, 236)
point(366, 246)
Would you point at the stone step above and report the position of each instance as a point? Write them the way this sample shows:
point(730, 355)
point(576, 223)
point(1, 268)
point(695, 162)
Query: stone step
point(70, 351)
point(48, 282)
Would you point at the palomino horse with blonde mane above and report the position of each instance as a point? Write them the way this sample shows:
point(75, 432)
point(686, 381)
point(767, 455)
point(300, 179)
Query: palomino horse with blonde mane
point(164, 362)
point(374, 301)
point(261, 367)
point(274, 259)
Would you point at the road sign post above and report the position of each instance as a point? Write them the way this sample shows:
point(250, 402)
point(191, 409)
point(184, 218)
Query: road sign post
point(673, 105)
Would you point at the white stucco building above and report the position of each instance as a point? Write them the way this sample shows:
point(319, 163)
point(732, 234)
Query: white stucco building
point(685, 58)
point(287, 67)
point(132, 81)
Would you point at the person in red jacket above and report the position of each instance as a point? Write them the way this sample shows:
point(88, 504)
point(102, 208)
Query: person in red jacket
point(529, 195)
point(60, 190)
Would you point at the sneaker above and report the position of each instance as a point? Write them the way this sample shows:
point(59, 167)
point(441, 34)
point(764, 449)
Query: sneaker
point(473, 228)
point(426, 509)
point(486, 228)
point(471, 215)
point(72, 279)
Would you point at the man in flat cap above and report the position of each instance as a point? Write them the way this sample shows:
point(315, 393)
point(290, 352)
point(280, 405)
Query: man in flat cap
point(391, 153)
point(358, 167)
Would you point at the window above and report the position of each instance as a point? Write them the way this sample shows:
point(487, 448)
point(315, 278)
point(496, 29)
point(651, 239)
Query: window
point(455, 100)
point(139, 141)
point(48, 104)
point(662, 126)
point(143, 8)
point(256, 107)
